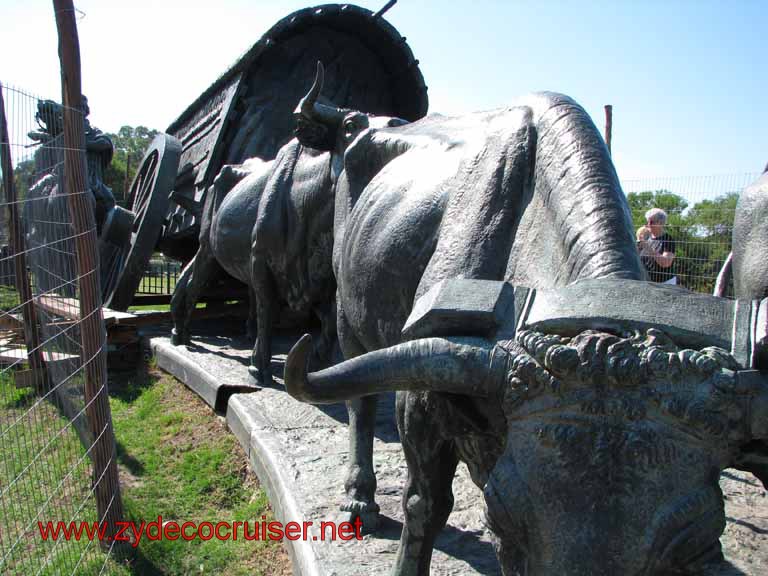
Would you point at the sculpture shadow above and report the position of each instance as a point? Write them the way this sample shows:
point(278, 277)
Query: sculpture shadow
point(224, 340)
point(133, 465)
point(479, 554)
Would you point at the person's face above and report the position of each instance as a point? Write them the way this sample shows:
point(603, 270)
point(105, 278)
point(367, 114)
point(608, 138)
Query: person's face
point(657, 228)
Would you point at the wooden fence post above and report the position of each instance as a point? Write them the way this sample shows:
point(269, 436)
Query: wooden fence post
point(608, 126)
point(103, 452)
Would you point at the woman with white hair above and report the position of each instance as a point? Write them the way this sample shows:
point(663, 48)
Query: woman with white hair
point(657, 247)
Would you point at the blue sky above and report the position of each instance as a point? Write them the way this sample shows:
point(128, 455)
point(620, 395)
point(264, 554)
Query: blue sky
point(686, 78)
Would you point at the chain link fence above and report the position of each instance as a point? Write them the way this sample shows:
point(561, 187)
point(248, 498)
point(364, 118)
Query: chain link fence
point(57, 448)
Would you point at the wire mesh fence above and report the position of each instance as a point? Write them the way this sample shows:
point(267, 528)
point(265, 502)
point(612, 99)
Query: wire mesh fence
point(56, 442)
point(700, 213)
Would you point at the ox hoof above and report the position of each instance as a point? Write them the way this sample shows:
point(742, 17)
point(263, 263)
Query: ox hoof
point(262, 377)
point(368, 512)
point(179, 339)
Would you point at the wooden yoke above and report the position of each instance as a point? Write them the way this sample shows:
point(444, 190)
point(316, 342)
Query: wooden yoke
point(490, 309)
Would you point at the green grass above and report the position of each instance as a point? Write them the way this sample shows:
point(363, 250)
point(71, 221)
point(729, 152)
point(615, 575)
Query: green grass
point(176, 460)
point(151, 307)
point(39, 450)
point(160, 307)
point(9, 298)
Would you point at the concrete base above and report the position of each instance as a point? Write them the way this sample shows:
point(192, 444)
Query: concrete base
point(211, 387)
point(299, 452)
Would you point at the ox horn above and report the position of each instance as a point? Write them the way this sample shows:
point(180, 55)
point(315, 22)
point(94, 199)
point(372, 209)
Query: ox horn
point(429, 364)
point(311, 109)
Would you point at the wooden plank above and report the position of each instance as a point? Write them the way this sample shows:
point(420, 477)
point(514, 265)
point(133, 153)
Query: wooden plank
point(116, 317)
point(60, 306)
point(25, 378)
point(10, 355)
point(153, 318)
point(12, 336)
point(10, 321)
point(122, 334)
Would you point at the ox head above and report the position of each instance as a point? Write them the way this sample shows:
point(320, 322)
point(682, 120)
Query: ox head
point(329, 128)
point(613, 453)
point(613, 443)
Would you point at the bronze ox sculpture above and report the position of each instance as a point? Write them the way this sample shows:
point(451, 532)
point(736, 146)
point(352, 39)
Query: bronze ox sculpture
point(526, 194)
point(268, 224)
point(597, 439)
point(750, 241)
point(746, 266)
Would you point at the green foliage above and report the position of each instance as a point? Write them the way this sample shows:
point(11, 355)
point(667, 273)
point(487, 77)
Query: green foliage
point(130, 145)
point(24, 177)
point(715, 217)
point(640, 202)
point(703, 232)
point(9, 299)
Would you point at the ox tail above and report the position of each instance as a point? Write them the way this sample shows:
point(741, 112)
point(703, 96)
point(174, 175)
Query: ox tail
point(724, 277)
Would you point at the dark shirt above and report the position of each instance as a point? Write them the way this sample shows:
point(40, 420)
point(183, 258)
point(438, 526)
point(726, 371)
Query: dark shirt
point(664, 243)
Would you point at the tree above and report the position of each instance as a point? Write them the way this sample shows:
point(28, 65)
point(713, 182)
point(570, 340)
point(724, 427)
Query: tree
point(24, 175)
point(130, 145)
point(715, 217)
point(711, 224)
point(641, 202)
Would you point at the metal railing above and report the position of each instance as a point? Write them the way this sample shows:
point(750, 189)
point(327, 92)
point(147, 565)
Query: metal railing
point(160, 277)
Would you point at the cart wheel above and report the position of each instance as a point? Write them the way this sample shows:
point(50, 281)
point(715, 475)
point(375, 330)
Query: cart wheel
point(149, 190)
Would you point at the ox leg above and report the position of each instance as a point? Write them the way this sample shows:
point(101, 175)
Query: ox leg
point(360, 482)
point(251, 324)
point(195, 275)
point(428, 496)
point(266, 301)
point(324, 346)
point(194, 279)
point(180, 332)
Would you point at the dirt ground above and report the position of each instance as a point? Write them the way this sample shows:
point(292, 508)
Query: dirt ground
point(745, 541)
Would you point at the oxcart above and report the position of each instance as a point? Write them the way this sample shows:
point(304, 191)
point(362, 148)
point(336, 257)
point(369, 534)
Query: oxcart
point(248, 112)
